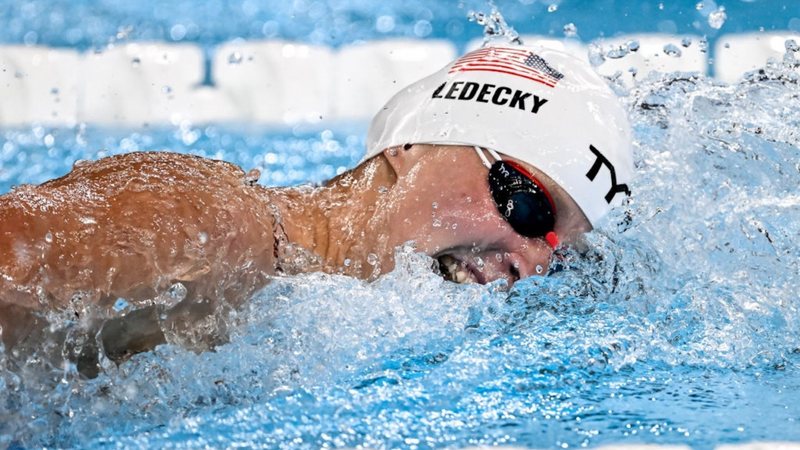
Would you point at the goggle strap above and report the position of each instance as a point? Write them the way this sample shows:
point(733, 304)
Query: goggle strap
point(486, 162)
point(483, 157)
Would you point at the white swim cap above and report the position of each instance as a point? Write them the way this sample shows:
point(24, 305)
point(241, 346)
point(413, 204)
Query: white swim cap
point(541, 106)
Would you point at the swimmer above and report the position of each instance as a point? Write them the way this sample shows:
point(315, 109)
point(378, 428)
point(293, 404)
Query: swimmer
point(487, 165)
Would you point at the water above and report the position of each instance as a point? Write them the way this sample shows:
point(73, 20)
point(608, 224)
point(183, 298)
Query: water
point(680, 326)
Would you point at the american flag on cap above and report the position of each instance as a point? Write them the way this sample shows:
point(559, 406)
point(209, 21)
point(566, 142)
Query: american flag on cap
point(511, 61)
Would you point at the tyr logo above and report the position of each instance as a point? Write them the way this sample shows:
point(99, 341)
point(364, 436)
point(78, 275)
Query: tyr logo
point(592, 173)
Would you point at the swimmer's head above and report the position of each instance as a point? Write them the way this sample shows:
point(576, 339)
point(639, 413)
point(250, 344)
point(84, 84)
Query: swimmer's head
point(540, 106)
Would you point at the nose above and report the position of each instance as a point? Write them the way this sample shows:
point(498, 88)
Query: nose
point(532, 258)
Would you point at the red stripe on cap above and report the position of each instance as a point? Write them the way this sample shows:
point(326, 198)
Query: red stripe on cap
point(538, 184)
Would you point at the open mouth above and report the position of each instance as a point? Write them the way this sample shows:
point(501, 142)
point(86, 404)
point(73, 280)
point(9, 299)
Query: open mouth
point(455, 270)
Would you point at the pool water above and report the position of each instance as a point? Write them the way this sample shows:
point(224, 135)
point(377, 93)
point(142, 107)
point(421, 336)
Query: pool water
point(680, 326)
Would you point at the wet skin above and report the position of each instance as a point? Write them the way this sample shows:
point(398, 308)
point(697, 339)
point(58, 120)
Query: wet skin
point(131, 226)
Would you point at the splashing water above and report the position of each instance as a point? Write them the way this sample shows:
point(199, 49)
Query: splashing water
point(680, 326)
point(495, 27)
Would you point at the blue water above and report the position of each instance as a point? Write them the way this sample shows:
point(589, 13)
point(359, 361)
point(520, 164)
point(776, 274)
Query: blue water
point(680, 326)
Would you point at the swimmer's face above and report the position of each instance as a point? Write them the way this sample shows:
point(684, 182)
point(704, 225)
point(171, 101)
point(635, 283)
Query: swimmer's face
point(445, 206)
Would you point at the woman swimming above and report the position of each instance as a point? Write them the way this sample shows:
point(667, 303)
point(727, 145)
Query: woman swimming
point(487, 165)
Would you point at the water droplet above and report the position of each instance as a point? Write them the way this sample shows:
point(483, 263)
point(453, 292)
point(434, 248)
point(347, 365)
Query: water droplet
point(539, 269)
point(347, 262)
point(672, 50)
point(251, 177)
point(48, 237)
point(469, 199)
point(475, 249)
point(479, 262)
point(455, 225)
point(516, 265)
point(435, 205)
point(166, 90)
point(202, 237)
point(372, 259)
point(717, 18)
point(570, 30)
point(174, 295)
point(234, 58)
point(135, 62)
point(383, 189)
point(80, 162)
point(791, 46)
point(552, 8)
point(686, 42)
point(393, 152)
point(703, 44)
point(633, 45)
point(660, 6)
point(54, 91)
point(699, 6)
point(437, 223)
point(121, 304)
point(498, 257)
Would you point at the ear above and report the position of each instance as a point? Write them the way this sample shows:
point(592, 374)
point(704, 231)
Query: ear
point(403, 158)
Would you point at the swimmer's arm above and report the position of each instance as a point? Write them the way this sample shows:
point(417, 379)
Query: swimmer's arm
point(131, 226)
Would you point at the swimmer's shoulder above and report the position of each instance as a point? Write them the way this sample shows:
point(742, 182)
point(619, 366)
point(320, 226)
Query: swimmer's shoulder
point(150, 167)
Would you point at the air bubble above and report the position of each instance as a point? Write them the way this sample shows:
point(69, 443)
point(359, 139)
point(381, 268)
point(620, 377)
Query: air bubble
point(135, 62)
point(202, 237)
point(347, 262)
point(686, 42)
point(437, 223)
point(498, 257)
point(80, 162)
point(435, 205)
point(570, 30)
point(166, 90)
point(539, 269)
point(383, 189)
point(479, 262)
point(372, 259)
point(48, 237)
point(552, 8)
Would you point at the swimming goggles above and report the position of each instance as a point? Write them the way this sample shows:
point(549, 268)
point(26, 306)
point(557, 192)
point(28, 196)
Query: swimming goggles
point(521, 199)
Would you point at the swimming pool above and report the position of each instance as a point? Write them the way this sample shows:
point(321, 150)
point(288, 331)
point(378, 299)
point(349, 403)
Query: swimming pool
point(680, 327)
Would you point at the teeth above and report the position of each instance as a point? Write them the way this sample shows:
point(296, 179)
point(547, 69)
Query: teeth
point(460, 276)
point(452, 270)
